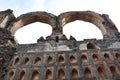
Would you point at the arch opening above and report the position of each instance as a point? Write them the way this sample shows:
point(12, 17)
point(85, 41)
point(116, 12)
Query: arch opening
point(22, 75)
point(101, 72)
point(49, 60)
point(48, 74)
point(61, 74)
point(26, 60)
point(117, 55)
point(82, 30)
point(87, 73)
point(37, 60)
point(95, 57)
point(74, 73)
point(61, 59)
point(84, 58)
point(113, 71)
point(32, 32)
point(10, 76)
point(106, 56)
point(35, 75)
point(16, 61)
point(72, 59)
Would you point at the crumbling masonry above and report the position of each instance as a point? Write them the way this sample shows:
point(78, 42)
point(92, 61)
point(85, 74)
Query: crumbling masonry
point(56, 57)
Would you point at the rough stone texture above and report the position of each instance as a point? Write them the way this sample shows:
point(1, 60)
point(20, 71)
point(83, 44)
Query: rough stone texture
point(56, 57)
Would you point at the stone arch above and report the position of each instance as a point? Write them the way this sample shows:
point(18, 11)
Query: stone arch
point(100, 21)
point(73, 59)
point(84, 58)
point(22, 75)
point(37, 60)
point(61, 59)
point(11, 75)
point(95, 57)
point(35, 75)
point(49, 59)
point(113, 71)
point(74, 73)
point(32, 17)
point(107, 56)
point(61, 74)
point(101, 71)
point(26, 61)
point(16, 61)
point(117, 55)
point(48, 74)
point(87, 73)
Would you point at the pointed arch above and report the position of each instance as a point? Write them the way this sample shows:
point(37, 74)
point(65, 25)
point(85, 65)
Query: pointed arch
point(74, 73)
point(37, 60)
point(61, 74)
point(95, 57)
point(61, 59)
point(73, 59)
point(117, 55)
point(32, 17)
point(26, 60)
point(84, 58)
point(35, 75)
point(87, 73)
point(10, 75)
point(22, 75)
point(101, 71)
point(106, 56)
point(16, 61)
point(49, 60)
point(48, 74)
point(113, 71)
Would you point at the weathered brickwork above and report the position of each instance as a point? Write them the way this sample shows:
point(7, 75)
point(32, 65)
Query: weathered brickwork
point(56, 57)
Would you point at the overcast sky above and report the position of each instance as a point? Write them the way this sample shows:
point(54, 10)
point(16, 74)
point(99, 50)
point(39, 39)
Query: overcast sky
point(79, 29)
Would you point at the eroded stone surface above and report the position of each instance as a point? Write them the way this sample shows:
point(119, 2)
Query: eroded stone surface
point(56, 56)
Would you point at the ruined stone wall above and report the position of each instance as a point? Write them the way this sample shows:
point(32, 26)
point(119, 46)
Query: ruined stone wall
point(56, 56)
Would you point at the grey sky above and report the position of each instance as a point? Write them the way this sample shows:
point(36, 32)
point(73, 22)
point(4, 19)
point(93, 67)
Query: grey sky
point(56, 7)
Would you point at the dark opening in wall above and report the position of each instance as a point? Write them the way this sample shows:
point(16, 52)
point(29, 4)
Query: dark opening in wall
point(84, 58)
point(48, 74)
point(61, 59)
point(37, 60)
point(57, 39)
point(101, 72)
point(95, 57)
point(91, 46)
point(16, 61)
point(113, 71)
point(35, 75)
point(11, 74)
point(87, 73)
point(22, 75)
point(26, 60)
point(61, 74)
point(106, 56)
point(49, 60)
point(72, 59)
point(75, 73)
point(117, 55)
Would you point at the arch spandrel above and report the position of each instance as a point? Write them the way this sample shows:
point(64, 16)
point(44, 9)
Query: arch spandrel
point(32, 17)
point(87, 16)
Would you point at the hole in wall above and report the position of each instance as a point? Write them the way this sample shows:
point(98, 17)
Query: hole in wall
point(82, 30)
point(31, 32)
point(61, 59)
